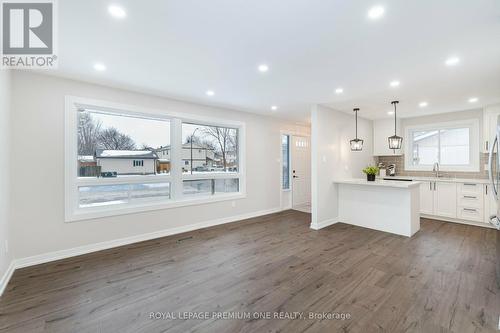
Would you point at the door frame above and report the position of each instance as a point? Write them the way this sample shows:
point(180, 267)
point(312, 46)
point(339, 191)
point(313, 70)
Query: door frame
point(289, 204)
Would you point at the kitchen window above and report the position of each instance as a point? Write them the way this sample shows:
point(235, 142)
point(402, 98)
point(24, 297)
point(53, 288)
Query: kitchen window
point(454, 145)
point(122, 159)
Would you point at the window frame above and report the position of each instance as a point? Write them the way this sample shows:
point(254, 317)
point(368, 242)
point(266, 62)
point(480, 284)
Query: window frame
point(289, 155)
point(72, 182)
point(474, 144)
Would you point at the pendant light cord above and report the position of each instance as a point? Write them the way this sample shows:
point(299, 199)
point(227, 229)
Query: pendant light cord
point(395, 122)
point(356, 124)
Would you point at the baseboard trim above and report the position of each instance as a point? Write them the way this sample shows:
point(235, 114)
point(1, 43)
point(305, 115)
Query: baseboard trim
point(448, 219)
point(85, 249)
point(324, 224)
point(6, 276)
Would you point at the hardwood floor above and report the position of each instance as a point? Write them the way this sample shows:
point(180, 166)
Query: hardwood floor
point(441, 280)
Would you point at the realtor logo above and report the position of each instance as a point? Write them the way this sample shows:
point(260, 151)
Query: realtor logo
point(28, 34)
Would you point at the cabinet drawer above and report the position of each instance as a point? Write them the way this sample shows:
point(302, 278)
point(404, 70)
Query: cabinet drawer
point(470, 200)
point(471, 214)
point(470, 188)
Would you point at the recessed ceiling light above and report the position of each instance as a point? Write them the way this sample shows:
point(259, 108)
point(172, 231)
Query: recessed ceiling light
point(452, 61)
point(473, 99)
point(423, 104)
point(117, 11)
point(210, 93)
point(390, 113)
point(274, 108)
point(394, 83)
point(263, 68)
point(339, 91)
point(99, 67)
point(376, 12)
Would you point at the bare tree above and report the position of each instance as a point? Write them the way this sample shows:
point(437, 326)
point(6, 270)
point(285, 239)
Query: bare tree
point(88, 134)
point(111, 138)
point(222, 137)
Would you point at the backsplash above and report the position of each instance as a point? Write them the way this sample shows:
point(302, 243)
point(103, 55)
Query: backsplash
point(400, 170)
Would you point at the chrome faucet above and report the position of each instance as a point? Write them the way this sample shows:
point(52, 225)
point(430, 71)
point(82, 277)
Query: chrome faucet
point(435, 169)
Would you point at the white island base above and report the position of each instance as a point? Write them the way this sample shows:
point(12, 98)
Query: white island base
point(390, 206)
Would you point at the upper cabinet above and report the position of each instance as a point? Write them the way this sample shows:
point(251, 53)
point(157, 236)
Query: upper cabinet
point(382, 129)
point(490, 116)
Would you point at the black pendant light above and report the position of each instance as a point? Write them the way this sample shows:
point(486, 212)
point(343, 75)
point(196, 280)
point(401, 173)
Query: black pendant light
point(356, 144)
point(395, 141)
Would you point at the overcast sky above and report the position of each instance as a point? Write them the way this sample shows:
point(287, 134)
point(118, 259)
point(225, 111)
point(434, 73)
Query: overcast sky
point(152, 133)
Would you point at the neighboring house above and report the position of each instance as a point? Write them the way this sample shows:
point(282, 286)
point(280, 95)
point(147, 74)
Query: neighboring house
point(203, 156)
point(127, 162)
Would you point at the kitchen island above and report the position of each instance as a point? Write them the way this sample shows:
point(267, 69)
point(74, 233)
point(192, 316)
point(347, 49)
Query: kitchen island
point(385, 205)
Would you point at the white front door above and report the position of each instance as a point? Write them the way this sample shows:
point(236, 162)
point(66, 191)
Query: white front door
point(301, 171)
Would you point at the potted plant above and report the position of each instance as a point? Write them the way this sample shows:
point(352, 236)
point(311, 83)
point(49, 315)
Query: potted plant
point(370, 171)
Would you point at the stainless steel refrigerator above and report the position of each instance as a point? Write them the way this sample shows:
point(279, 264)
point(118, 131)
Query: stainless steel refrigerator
point(494, 174)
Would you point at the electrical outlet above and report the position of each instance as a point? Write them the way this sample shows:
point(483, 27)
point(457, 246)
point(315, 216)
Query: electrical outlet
point(6, 246)
point(233, 203)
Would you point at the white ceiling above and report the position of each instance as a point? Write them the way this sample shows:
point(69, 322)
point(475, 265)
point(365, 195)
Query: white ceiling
point(182, 48)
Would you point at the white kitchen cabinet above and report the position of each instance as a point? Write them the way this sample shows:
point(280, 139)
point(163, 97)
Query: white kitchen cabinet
point(427, 198)
point(382, 129)
point(438, 199)
point(490, 116)
point(460, 202)
point(445, 199)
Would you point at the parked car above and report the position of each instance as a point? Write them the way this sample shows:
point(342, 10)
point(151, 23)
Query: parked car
point(109, 174)
point(201, 169)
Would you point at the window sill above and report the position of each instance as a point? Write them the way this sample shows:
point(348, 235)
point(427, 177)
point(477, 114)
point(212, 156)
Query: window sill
point(90, 213)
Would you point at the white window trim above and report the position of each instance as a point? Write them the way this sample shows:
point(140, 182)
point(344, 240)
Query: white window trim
point(72, 210)
point(282, 133)
point(474, 145)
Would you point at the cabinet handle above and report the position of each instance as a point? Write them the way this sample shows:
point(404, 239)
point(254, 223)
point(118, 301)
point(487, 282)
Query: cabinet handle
point(486, 187)
point(470, 197)
point(470, 210)
point(430, 186)
point(469, 184)
point(434, 186)
point(487, 146)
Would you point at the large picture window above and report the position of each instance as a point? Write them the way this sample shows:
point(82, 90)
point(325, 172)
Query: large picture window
point(121, 159)
point(454, 146)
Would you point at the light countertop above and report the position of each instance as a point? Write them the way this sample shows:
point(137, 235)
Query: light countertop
point(379, 182)
point(442, 179)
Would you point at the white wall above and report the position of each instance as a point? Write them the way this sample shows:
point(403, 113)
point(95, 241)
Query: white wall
point(38, 133)
point(444, 117)
point(332, 158)
point(4, 169)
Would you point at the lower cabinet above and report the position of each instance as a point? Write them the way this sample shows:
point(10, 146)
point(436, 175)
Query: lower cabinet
point(463, 201)
point(445, 199)
point(427, 198)
point(438, 198)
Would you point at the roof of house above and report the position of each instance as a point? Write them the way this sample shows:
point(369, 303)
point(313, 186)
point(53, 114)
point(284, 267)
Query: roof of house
point(186, 146)
point(126, 154)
